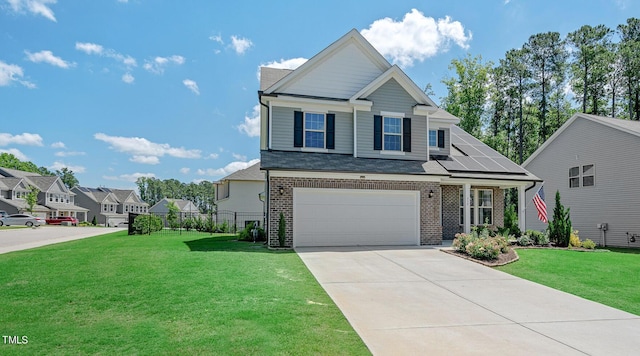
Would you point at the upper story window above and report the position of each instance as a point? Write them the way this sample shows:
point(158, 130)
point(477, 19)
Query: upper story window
point(314, 130)
point(392, 134)
point(582, 174)
point(436, 138)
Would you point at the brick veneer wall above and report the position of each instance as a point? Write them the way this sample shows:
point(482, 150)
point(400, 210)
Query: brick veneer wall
point(430, 229)
point(451, 209)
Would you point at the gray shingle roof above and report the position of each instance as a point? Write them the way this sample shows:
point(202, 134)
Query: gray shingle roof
point(269, 76)
point(331, 162)
point(8, 172)
point(624, 125)
point(250, 173)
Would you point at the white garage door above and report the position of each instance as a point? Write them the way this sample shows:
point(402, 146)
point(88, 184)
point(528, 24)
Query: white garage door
point(352, 217)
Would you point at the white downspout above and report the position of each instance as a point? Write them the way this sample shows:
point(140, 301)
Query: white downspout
point(467, 207)
point(355, 132)
point(269, 128)
point(522, 210)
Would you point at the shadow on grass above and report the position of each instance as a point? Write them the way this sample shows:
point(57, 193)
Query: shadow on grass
point(229, 244)
point(631, 250)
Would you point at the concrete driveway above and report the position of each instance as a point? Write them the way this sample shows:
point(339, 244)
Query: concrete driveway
point(25, 238)
point(410, 301)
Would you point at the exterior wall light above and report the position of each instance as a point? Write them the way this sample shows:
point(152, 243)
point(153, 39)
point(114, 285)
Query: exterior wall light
point(431, 193)
point(281, 190)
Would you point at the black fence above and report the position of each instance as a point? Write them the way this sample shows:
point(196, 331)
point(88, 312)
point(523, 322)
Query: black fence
point(220, 222)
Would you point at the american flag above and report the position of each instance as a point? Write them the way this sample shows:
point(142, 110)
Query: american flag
point(541, 206)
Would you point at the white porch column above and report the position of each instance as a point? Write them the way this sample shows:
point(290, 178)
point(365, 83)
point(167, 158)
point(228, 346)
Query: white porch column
point(522, 204)
point(466, 193)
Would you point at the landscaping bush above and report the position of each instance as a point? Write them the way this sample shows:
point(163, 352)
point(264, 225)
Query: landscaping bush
point(189, 224)
point(511, 222)
point(94, 222)
point(146, 224)
point(282, 226)
point(525, 240)
point(503, 243)
point(574, 239)
point(483, 249)
point(588, 244)
point(560, 225)
point(537, 237)
point(247, 233)
point(461, 241)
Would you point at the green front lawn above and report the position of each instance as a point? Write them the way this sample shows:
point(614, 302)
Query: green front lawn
point(167, 294)
point(609, 278)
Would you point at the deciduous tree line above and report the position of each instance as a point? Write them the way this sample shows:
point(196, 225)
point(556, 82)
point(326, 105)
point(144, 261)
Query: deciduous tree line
point(202, 194)
point(516, 104)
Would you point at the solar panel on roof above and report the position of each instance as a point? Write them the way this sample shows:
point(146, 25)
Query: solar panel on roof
point(491, 164)
point(471, 164)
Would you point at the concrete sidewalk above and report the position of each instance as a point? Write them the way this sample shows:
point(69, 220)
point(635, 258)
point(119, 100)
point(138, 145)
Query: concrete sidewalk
point(417, 300)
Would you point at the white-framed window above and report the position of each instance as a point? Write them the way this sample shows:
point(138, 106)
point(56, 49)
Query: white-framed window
point(392, 134)
point(582, 175)
point(433, 138)
point(481, 207)
point(588, 175)
point(314, 130)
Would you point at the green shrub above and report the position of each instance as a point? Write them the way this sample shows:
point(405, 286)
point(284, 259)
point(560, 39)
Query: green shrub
point(574, 239)
point(503, 243)
point(588, 244)
point(511, 221)
point(560, 225)
point(189, 224)
point(483, 249)
point(538, 237)
point(461, 241)
point(525, 240)
point(94, 221)
point(146, 224)
point(247, 233)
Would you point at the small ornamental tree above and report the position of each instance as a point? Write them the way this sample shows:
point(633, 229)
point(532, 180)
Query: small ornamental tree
point(560, 225)
point(282, 226)
point(172, 215)
point(32, 199)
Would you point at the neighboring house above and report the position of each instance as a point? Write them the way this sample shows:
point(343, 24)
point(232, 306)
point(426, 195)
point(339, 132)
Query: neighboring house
point(110, 206)
point(53, 194)
point(240, 191)
point(13, 194)
point(355, 153)
point(187, 209)
point(593, 162)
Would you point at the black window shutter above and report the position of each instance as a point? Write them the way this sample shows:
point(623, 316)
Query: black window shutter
point(331, 131)
point(441, 138)
point(298, 129)
point(377, 132)
point(406, 134)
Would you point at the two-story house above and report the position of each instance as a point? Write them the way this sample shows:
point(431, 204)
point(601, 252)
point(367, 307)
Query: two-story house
point(13, 194)
point(110, 207)
point(52, 193)
point(240, 191)
point(355, 153)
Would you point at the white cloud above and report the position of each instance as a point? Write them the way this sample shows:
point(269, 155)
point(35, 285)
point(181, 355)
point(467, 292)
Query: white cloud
point(239, 157)
point(69, 153)
point(416, 37)
point(240, 44)
point(93, 48)
point(145, 151)
point(12, 73)
point(14, 151)
point(123, 1)
point(145, 159)
point(251, 125)
point(27, 139)
point(191, 85)
point(185, 170)
point(129, 177)
point(213, 156)
point(56, 166)
point(158, 64)
point(35, 7)
point(228, 169)
point(48, 57)
point(216, 38)
point(128, 78)
point(58, 144)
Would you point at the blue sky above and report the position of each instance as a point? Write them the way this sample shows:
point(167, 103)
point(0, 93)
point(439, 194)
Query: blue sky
point(117, 89)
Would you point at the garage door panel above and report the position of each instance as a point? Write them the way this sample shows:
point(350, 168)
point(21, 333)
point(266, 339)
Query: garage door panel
point(347, 217)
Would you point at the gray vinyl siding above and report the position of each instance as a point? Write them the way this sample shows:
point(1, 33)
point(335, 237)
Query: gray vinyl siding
point(446, 150)
point(393, 98)
point(615, 196)
point(282, 135)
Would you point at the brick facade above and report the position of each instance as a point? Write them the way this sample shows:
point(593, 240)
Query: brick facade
point(451, 209)
point(430, 228)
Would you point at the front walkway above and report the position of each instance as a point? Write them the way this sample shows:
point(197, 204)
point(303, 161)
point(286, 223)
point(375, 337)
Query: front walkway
point(410, 301)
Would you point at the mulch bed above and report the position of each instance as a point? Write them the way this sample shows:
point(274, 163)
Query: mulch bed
point(503, 258)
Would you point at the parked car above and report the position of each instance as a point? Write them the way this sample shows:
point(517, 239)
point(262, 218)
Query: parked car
point(59, 219)
point(3, 213)
point(22, 219)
